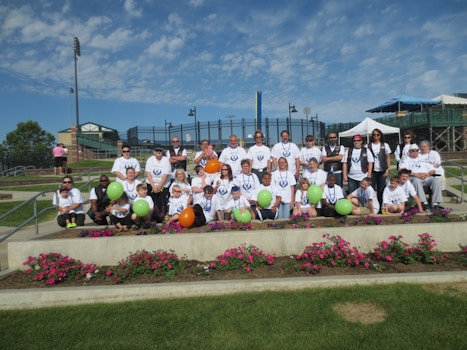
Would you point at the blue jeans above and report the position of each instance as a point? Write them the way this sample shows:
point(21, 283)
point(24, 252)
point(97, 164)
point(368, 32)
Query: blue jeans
point(284, 211)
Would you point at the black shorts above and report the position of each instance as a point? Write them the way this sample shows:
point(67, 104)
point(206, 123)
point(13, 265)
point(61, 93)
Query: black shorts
point(58, 161)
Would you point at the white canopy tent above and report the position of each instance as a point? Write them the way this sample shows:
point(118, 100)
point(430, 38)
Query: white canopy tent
point(366, 127)
point(451, 100)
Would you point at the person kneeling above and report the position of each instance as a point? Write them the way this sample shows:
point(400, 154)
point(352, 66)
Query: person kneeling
point(206, 209)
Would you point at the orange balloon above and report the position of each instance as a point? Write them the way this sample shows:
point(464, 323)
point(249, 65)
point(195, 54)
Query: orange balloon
point(186, 217)
point(213, 166)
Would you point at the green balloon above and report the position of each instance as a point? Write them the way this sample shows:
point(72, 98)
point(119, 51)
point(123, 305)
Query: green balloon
point(114, 190)
point(264, 198)
point(314, 193)
point(242, 217)
point(344, 206)
point(141, 207)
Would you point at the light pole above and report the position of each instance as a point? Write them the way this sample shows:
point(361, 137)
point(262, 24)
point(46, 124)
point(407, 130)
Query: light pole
point(312, 120)
point(193, 114)
point(77, 52)
point(72, 91)
point(169, 124)
point(291, 110)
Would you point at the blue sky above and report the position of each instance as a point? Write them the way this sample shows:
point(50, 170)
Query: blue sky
point(143, 62)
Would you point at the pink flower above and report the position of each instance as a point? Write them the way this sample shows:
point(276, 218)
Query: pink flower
point(389, 258)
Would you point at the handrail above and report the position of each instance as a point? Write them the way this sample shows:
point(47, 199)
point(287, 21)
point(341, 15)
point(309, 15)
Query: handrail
point(461, 177)
point(36, 215)
point(17, 170)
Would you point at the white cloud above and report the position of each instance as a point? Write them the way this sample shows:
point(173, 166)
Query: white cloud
point(129, 6)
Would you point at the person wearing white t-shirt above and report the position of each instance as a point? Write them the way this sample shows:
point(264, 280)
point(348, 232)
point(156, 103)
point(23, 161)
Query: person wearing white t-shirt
point(412, 197)
point(124, 162)
point(289, 151)
point(394, 197)
point(421, 176)
point(285, 182)
point(332, 192)
point(260, 156)
point(233, 155)
point(357, 163)
point(364, 199)
point(308, 153)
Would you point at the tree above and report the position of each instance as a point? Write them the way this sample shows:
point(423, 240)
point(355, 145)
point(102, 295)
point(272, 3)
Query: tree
point(28, 145)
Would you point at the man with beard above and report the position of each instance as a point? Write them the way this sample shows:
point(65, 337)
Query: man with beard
point(332, 155)
point(99, 201)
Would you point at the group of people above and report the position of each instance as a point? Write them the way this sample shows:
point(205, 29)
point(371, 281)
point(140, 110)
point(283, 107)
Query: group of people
point(60, 153)
point(285, 171)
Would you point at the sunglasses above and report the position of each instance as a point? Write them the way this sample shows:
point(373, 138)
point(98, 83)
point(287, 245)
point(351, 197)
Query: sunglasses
point(357, 140)
point(175, 141)
point(258, 137)
point(104, 180)
point(407, 137)
point(125, 151)
point(225, 169)
point(333, 137)
point(175, 191)
point(66, 182)
point(376, 134)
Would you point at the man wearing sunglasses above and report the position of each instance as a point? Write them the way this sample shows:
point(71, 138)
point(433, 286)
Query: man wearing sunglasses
point(332, 156)
point(99, 201)
point(177, 155)
point(124, 162)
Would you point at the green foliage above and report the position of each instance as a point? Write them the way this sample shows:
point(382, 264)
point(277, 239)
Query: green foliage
point(29, 144)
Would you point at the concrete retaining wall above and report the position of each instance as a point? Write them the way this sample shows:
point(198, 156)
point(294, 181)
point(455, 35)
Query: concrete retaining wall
point(206, 246)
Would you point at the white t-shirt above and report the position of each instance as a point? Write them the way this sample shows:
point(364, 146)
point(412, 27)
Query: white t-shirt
point(248, 184)
point(177, 205)
point(238, 203)
point(302, 198)
point(119, 214)
point(210, 207)
point(259, 155)
point(121, 164)
point(274, 191)
point(332, 195)
point(434, 159)
point(224, 190)
point(376, 148)
point(147, 199)
point(65, 202)
point(416, 165)
point(130, 190)
point(157, 169)
point(76, 197)
point(394, 195)
point(306, 154)
point(356, 172)
point(317, 178)
point(365, 195)
point(289, 151)
point(408, 189)
point(233, 157)
point(284, 180)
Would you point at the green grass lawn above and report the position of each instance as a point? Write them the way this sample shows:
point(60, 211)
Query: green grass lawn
point(26, 212)
point(416, 318)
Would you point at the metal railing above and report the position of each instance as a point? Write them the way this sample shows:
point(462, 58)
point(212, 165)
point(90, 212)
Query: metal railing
point(461, 178)
point(34, 199)
point(17, 171)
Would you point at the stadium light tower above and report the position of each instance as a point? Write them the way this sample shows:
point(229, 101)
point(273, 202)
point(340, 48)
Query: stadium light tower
point(77, 52)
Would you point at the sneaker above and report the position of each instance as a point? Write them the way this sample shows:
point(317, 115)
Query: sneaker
point(73, 224)
point(427, 207)
point(69, 225)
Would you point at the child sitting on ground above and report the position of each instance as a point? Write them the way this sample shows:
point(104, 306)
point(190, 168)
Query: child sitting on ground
point(364, 199)
point(142, 221)
point(271, 211)
point(177, 203)
point(331, 194)
point(302, 203)
point(206, 209)
point(64, 204)
point(120, 213)
point(394, 197)
point(238, 201)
